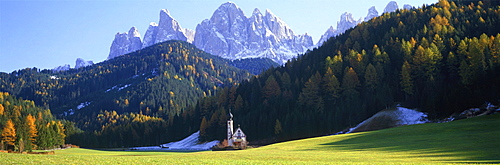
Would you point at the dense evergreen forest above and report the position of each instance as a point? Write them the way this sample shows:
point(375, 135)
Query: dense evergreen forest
point(440, 59)
point(156, 82)
point(160, 80)
point(25, 126)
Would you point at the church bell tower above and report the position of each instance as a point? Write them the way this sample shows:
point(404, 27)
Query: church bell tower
point(230, 130)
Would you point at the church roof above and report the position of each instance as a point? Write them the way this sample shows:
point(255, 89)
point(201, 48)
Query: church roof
point(239, 133)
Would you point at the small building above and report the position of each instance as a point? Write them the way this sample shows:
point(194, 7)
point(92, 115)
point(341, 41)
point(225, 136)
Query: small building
point(235, 138)
point(239, 138)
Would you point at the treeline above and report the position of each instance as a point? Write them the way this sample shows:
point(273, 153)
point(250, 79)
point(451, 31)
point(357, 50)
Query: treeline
point(254, 65)
point(440, 59)
point(123, 130)
point(25, 126)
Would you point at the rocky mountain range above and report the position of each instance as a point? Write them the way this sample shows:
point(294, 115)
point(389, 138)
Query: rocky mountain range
point(125, 43)
point(228, 33)
point(347, 21)
point(79, 63)
point(232, 35)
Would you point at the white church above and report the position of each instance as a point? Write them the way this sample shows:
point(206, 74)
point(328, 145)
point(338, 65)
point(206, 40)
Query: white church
point(235, 138)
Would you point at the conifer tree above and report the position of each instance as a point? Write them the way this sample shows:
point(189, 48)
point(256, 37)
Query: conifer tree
point(331, 86)
point(2, 109)
point(406, 81)
point(9, 133)
point(32, 131)
point(271, 88)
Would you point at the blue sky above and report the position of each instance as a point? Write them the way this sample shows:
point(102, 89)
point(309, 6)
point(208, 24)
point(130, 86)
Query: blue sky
point(47, 34)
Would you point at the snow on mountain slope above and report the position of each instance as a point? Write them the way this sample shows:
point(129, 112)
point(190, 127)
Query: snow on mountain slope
point(232, 35)
point(189, 143)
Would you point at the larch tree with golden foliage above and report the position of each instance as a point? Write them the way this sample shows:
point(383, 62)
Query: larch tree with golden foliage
point(32, 131)
point(9, 133)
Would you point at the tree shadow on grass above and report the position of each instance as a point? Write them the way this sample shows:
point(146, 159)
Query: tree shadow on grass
point(456, 142)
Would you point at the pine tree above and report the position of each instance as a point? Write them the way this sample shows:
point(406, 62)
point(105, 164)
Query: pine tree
point(331, 86)
point(9, 133)
point(371, 77)
point(310, 96)
point(406, 81)
point(271, 88)
point(277, 127)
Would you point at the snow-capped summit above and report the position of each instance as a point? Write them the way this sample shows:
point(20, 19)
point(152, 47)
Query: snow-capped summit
point(230, 34)
point(125, 43)
point(391, 7)
point(372, 13)
point(82, 63)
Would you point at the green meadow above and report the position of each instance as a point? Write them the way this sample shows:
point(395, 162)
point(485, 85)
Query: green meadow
point(475, 140)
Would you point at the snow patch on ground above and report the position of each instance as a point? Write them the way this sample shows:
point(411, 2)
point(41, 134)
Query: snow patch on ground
point(116, 87)
point(400, 116)
point(189, 143)
point(78, 107)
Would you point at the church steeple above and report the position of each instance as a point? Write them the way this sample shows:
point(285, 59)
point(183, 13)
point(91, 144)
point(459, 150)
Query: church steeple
point(230, 129)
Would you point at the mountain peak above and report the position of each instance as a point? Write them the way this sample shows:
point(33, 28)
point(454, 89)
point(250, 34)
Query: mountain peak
point(165, 11)
point(346, 22)
point(82, 63)
point(372, 13)
point(125, 43)
point(391, 7)
point(133, 32)
point(256, 11)
point(230, 34)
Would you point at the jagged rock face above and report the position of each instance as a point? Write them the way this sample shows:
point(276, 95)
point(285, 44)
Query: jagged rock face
point(230, 34)
point(125, 43)
point(372, 13)
point(391, 7)
point(150, 35)
point(329, 33)
point(82, 63)
point(346, 22)
point(61, 68)
point(169, 28)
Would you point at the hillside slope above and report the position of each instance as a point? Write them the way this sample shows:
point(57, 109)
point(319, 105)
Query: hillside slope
point(440, 59)
point(464, 141)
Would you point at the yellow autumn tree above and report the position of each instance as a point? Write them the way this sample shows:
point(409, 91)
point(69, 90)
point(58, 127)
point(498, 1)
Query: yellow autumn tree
point(9, 133)
point(32, 131)
point(2, 109)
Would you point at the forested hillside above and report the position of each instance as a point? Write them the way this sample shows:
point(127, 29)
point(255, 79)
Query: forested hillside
point(440, 59)
point(160, 80)
point(25, 126)
point(156, 83)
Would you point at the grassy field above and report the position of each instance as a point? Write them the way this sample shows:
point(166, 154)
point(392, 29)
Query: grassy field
point(474, 140)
